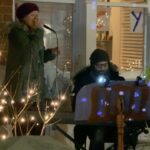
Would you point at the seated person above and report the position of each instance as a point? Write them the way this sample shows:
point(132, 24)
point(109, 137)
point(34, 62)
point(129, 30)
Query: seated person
point(99, 64)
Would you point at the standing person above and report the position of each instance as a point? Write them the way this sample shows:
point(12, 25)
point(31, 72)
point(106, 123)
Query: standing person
point(26, 53)
point(99, 64)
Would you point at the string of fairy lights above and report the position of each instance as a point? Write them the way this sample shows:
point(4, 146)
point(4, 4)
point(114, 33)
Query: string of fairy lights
point(20, 117)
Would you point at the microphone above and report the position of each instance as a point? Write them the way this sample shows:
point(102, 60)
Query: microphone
point(47, 27)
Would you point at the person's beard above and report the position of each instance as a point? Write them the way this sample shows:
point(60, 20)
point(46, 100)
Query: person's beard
point(103, 72)
point(96, 73)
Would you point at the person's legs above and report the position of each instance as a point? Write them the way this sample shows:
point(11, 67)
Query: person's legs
point(96, 135)
point(79, 136)
point(111, 136)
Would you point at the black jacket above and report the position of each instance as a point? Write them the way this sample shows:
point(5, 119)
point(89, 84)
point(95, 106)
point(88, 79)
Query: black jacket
point(85, 77)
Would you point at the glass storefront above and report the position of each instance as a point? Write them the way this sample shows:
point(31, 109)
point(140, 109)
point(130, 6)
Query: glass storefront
point(121, 32)
point(120, 29)
point(57, 16)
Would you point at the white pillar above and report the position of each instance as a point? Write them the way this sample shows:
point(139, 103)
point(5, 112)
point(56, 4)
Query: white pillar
point(13, 10)
point(148, 2)
point(79, 36)
point(91, 11)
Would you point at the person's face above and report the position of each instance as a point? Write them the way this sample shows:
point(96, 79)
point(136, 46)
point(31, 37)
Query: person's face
point(101, 66)
point(32, 20)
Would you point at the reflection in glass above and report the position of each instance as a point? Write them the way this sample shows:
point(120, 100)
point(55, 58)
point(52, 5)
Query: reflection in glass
point(120, 31)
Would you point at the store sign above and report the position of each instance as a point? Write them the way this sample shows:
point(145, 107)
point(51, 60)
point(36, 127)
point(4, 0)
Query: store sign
point(136, 20)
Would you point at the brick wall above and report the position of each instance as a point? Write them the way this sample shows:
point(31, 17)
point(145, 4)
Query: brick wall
point(5, 12)
point(5, 19)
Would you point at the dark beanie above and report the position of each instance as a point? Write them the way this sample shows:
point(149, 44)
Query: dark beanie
point(24, 9)
point(98, 55)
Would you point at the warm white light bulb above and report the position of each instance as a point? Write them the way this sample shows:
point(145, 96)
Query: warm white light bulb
point(51, 114)
point(32, 118)
point(5, 119)
point(22, 120)
point(5, 93)
point(56, 104)
point(3, 137)
point(29, 96)
point(12, 101)
point(3, 101)
point(63, 97)
point(52, 103)
point(23, 100)
point(31, 91)
point(46, 117)
point(37, 124)
point(1, 108)
point(67, 62)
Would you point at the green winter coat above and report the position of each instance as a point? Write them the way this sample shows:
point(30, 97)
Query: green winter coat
point(25, 61)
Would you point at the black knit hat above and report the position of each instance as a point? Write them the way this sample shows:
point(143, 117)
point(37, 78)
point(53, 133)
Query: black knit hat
point(98, 55)
point(24, 9)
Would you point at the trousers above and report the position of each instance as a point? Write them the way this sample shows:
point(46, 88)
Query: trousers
point(98, 135)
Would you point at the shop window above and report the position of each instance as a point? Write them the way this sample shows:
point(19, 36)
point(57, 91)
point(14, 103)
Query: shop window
point(120, 31)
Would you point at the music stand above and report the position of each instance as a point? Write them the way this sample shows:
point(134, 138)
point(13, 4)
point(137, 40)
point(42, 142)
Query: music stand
point(118, 102)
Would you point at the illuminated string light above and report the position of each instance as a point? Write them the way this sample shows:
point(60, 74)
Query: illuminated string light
point(56, 104)
point(22, 120)
point(12, 102)
point(143, 109)
point(29, 96)
point(1, 108)
point(51, 114)
point(52, 103)
point(5, 119)
point(132, 64)
point(32, 91)
point(3, 101)
point(32, 118)
point(3, 137)
point(46, 117)
point(23, 100)
point(5, 93)
point(68, 62)
point(22, 110)
point(130, 119)
point(106, 103)
point(37, 124)
point(63, 97)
